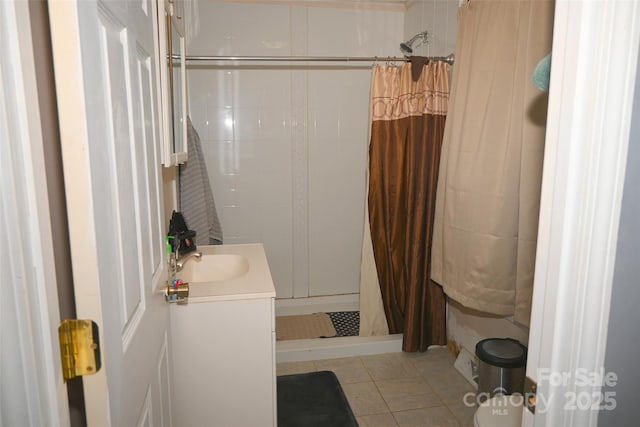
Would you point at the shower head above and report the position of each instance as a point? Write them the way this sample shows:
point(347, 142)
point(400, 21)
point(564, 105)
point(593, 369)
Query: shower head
point(407, 47)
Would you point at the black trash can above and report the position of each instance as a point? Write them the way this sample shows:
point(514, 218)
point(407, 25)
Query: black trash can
point(501, 367)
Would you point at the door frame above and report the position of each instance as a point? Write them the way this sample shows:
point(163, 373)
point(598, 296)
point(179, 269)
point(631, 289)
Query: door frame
point(28, 252)
point(589, 117)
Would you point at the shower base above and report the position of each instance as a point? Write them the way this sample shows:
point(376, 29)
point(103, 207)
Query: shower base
point(329, 348)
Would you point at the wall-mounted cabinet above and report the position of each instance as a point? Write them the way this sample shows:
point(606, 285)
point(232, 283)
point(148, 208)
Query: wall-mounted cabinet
point(172, 71)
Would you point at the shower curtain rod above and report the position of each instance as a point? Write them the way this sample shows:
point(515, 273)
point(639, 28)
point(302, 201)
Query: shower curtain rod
point(191, 58)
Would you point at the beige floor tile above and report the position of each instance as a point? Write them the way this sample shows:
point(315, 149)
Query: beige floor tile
point(450, 375)
point(433, 353)
point(389, 366)
point(406, 394)
point(439, 416)
point(433, 363)
point(364, 399)
point(289, 368)
point(379, 420)
point(349, 370)
point(463, 413)
point(447, 383)
point(454, 396)
point(399, 389)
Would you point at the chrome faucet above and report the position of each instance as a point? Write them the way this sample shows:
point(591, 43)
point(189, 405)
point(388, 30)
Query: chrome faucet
point(182, 260)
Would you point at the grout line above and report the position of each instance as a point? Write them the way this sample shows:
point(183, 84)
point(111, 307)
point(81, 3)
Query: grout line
point(375, 383)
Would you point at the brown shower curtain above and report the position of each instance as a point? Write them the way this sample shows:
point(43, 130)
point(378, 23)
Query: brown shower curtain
point(408, 120)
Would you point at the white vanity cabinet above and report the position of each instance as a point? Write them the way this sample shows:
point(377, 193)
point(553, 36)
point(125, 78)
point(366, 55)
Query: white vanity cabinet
point(224, 374)
point(223, 350)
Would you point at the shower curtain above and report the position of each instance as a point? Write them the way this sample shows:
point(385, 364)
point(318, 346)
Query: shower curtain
point(488, 194)
point(408, 120)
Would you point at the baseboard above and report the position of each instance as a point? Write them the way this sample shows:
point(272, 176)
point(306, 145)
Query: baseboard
point(331, 348)
point(325, 304)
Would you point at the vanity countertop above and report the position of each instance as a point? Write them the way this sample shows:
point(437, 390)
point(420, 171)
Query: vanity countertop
point(256, 282)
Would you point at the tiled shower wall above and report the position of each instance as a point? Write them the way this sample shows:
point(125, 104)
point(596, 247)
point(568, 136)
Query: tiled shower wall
point(286, 144)
point(439, 18)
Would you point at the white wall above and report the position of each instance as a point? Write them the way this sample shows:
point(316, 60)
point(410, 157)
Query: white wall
point(622, 347)
point(466, 327)
point(286, 146)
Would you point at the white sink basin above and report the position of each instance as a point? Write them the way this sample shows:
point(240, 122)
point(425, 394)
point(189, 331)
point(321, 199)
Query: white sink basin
point(227, 273)
point(214, 268)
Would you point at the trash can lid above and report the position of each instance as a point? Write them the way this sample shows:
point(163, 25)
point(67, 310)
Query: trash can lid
point(502, 352)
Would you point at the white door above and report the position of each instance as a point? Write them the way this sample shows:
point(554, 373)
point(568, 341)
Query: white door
point(105, 66)
point(595, 52)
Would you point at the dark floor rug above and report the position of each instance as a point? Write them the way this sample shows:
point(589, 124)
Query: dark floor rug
point(314, 399)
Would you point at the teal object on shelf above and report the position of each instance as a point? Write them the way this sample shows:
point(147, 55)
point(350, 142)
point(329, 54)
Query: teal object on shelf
point(542, 74)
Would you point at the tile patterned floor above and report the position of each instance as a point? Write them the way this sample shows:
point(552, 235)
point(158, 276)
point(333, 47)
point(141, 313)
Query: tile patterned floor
point(399, 389)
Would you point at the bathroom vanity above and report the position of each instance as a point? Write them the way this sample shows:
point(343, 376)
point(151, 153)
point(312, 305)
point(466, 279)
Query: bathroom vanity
point(223, 340)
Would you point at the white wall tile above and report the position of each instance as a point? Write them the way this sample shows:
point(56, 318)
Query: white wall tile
point(439, 18)
point(452, 26)
point(413, 19)
point(241, 29)
point(335, 32)
point(211, 87)
point(240, 222)
point(219, 123)
point(277, 92)
point(198, 115)
point(324, 125)
point(280, 257)
point(262, 86)
point(439, 40)
point(429, 19)
point(286, 148)
point(288, 169)
point(227, 158)
point(275, 161)
point(274, 123)
point(246, 123)
point(337, 137)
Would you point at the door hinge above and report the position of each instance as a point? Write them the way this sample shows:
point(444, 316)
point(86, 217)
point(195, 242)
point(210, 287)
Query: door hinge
point(530, 390)
point(79, 348)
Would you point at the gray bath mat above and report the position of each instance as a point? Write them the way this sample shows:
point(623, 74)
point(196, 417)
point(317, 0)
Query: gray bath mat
point(314, 399)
